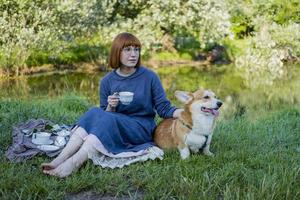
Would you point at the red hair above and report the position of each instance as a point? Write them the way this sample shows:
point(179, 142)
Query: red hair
point(122, 40)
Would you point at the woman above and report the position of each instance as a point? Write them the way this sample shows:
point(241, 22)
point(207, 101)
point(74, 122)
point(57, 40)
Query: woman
point(114, 129)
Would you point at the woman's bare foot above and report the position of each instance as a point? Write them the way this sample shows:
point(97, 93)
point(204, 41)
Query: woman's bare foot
point(66, 167)
point(73, 145)
point(52, 165)
point(63, 170)
point(48, 166)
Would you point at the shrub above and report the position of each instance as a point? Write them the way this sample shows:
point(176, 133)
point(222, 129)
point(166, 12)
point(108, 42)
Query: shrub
point(262, 61)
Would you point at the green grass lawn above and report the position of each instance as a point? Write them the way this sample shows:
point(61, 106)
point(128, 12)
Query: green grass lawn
point(254, 159)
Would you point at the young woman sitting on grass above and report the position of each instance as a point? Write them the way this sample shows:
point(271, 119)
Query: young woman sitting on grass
point(115, 129)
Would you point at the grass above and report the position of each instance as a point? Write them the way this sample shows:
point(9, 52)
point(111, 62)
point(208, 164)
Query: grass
point(254, 159)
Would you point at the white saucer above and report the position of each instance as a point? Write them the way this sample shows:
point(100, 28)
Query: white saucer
point(34, 141)
point(48, 148)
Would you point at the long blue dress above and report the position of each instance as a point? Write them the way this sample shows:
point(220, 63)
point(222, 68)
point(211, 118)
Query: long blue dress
point(130, 128)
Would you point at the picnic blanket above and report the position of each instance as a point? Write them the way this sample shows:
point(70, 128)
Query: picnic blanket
point(22, 148)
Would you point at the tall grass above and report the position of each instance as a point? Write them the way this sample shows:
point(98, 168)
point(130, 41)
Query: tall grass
point(254, 159)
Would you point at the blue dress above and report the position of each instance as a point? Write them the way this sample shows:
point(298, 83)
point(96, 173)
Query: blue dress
point(130, 128)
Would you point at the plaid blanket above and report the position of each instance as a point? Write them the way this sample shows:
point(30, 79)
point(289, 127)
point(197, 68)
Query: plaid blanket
point(22, 148)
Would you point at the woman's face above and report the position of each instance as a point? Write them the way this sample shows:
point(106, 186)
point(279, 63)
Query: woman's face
point(130, 56)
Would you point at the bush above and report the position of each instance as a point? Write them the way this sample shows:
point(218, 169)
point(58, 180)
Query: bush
point(27, 27)
point(262, 61)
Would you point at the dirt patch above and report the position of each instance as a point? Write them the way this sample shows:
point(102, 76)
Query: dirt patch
point(91, 195)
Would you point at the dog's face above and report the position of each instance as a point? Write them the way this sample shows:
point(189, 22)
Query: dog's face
point(200, 102)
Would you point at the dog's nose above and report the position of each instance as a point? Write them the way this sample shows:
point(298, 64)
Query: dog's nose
point(219, 103)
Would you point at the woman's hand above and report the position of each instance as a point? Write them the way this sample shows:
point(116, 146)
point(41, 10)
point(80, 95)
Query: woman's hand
point(113, 101)
point(177, 112)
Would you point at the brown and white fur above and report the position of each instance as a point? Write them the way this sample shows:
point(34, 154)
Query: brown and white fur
point(193, 129)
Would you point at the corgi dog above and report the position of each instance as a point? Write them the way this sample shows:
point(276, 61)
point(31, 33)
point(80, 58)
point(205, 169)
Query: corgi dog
point(193, 129)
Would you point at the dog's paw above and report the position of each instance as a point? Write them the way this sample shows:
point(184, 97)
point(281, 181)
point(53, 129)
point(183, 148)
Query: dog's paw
point(184, 153)
point(208, 153)
point(194, 150)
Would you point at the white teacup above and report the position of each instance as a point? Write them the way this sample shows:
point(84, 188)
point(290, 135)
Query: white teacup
point(126, 97)
point(41, 137)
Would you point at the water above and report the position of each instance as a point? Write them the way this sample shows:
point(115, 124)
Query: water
point(51, 85)
point(223, 80)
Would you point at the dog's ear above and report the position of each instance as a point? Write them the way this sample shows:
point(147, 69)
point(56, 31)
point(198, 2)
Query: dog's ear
point(183, 96)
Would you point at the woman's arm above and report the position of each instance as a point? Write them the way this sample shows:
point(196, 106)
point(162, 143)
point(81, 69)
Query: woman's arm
point(104, 93)
point(161, 103)
point(108, 102)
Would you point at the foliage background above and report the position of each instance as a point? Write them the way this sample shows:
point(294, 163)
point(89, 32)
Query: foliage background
point(261, 37)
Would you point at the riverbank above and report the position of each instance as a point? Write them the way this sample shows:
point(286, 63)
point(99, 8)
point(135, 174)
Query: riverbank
point(98, 66)
point(82, 66)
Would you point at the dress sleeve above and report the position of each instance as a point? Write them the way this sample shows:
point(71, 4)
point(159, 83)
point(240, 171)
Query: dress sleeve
point(104, 93)
point(161, 104)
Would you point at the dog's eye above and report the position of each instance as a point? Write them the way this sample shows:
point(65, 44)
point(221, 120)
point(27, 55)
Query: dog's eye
point(206, 97)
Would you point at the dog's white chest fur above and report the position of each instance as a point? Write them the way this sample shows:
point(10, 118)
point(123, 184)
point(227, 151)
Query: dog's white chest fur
point(202, 128)
point(202, 124)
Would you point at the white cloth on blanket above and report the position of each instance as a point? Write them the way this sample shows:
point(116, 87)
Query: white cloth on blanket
point(119, 162)
point(108, 160)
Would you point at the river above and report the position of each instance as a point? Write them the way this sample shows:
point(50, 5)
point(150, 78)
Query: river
point(223, 80)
